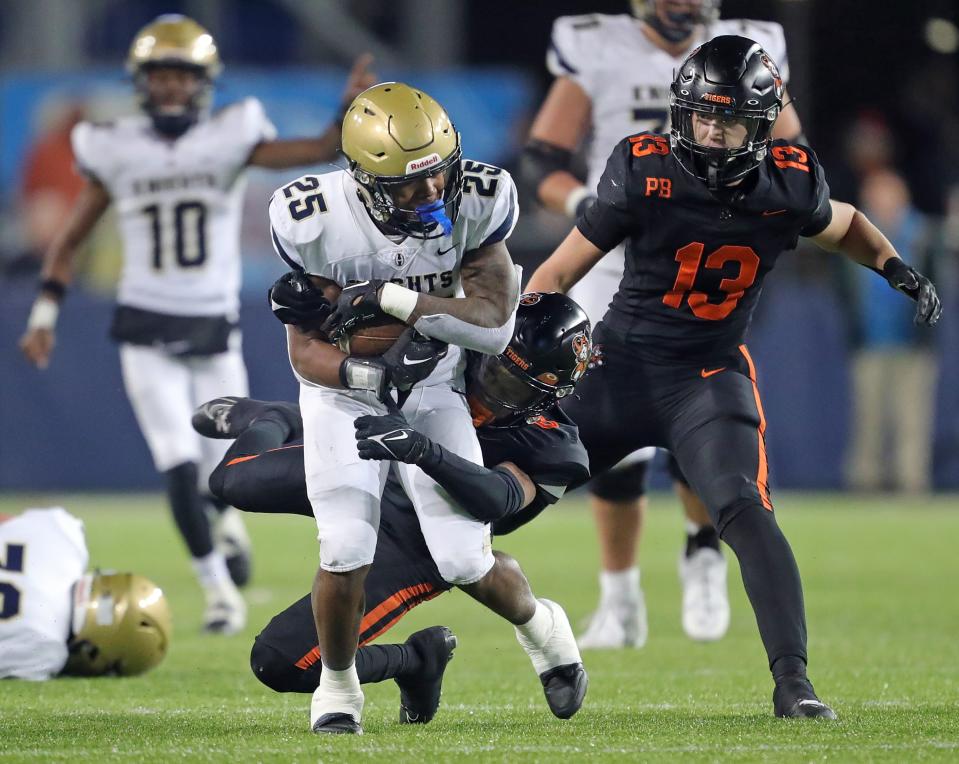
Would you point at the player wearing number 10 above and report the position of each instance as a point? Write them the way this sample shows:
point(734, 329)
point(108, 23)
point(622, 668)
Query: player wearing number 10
point(705, 212)
point(175, 175)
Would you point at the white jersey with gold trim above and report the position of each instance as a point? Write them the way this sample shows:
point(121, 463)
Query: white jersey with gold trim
point(178, 205)
point(320, 226)
point(627, 77)
point(42, 555)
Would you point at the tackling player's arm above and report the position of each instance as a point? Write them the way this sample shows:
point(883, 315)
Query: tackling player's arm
point(849, 231)
point(482, 320)
point(281, 154)
point(38, 340)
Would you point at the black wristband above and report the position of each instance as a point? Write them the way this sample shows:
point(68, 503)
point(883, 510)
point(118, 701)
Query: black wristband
point(895, 266)
point(53, 287)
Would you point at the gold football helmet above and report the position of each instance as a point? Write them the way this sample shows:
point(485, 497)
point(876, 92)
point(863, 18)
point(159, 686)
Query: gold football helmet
point(179, 42)
point(394, 134)
point(121, 625)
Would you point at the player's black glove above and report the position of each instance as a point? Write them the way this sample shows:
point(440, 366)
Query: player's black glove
point(357, 305)
point(412, 358)
point(296, 301)
point(390, 436)
point(911, 282)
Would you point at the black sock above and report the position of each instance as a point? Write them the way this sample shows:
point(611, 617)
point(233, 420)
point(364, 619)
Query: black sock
point(187, 506)
point(376, 663)
point(772, 583)
point(705, 537)
point(269, 431)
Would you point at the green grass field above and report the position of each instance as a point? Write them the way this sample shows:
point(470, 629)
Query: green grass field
point(880, 578)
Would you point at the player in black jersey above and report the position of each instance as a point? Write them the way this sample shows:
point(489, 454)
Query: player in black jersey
point(533, 452)
point(705, 212)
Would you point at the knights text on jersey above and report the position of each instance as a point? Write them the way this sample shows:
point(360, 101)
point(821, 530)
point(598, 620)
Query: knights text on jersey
point(695, 261)
point(627, 77)
point(321, 226)
point(42, 555)
point(178, 205)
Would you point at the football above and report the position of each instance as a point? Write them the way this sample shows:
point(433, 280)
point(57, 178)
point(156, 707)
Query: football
point(371, 339)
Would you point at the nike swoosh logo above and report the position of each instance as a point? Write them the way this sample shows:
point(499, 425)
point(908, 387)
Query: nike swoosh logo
point(769, 213)
point(444, 251)
point(411, 362)
point(704, 374)
point(401, 435)
point(816, 703)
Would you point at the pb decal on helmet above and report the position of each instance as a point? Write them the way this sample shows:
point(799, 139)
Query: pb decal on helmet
point(724, 101)
point(394, 135)
point(177, 42)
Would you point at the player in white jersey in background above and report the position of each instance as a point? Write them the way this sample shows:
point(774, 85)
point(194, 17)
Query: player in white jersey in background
point(612, 80)
point(175, 175)
point(55, 618)
point(419, 234)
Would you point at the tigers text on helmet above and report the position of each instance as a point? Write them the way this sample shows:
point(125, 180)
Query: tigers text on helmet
point(121, 625)
point(548, 353)
point(178, 42)
point(394, 135)
point(732, 84)
point(676, 20)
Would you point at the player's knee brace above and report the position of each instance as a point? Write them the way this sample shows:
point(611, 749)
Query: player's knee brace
point(274, 669)
point(464, 568)
point(626, 483)
point(746, 521)
point(347, 544)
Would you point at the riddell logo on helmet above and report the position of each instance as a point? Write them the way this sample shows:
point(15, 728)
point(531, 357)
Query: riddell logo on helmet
point(714, 98)
point(421, 164)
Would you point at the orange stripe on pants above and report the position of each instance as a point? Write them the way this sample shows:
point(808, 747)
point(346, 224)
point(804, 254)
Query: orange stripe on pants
point(423, 591)
point(762, 477)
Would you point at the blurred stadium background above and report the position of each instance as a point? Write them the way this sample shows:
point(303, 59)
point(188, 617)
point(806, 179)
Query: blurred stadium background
point(874, 84)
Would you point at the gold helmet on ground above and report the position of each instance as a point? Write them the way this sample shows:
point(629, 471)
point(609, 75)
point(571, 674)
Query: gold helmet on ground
point(394, 134)
point(179, 42)
point(121, 625)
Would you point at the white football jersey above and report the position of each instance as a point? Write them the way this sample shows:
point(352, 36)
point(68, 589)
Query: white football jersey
point(627, 77)
point(321, 226)
point(178, 205)
point(42, 555)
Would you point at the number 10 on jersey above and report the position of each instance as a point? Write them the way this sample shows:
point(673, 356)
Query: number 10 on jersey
point(179, 234)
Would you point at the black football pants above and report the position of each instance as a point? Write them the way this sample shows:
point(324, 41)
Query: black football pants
point(711, 419)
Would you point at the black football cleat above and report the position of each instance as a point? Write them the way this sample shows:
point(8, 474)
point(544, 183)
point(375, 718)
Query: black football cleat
point(565, 688)
point(337, 724)
point(229, 416)
point(794, 698)
point(420, 693)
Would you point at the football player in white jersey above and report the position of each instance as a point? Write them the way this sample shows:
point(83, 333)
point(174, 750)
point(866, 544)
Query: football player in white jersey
point(175, 175)
point(57, 619)
point(612, 80)
point(419, 234)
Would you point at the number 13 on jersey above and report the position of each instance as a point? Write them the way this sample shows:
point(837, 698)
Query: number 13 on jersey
point(689, 258)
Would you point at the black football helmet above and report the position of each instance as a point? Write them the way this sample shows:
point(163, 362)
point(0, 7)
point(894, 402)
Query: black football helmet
point(730, 78)
point(675, 21)
point(548, 353)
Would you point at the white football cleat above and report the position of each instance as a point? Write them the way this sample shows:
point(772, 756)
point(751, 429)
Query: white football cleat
point(617, 625)
point(233, 542)
point(225, 609)
point(336, 713)
point(558, 664)
point(705, 599)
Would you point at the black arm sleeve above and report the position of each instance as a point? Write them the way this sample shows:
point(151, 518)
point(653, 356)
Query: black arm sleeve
point(487, 494)
point(538, 161)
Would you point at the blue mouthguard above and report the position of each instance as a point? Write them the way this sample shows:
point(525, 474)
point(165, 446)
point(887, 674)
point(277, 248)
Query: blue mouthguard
point(435, 212)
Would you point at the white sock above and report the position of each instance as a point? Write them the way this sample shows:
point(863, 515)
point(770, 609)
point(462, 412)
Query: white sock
point(537, 629)
point(339, 692)
point(692, 528)
point(618, 586)
point(212, 570)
